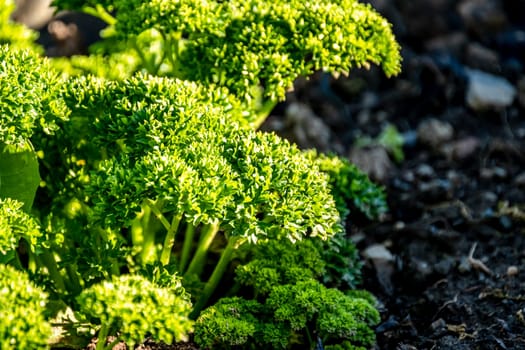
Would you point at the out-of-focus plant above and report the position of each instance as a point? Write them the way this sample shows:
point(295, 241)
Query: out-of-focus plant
point(132, 307)
point(389, 138)
point(15, 34)
point(23, 324)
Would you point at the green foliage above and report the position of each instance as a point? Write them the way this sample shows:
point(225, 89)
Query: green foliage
point(19, 177)
point(254, 48)
point(335, 315)
point(231, 322)
point(292, 312)
point(389, 138)
point(268, 44)
point(30, 93)
point(173, 166)
point(29, 102)
point(133, 307)
point(110, 117)
point(251, 186)
point(350, 187)
point(145, 179)
point(281, 262)
point(23, 305)
point(117, 66)
point(335, 262)
point(15, 224)
point(15, 34)
point(393, 142)
point(342, 264)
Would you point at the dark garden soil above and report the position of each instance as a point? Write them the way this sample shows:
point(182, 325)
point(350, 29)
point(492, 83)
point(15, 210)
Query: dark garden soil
point(447, 263)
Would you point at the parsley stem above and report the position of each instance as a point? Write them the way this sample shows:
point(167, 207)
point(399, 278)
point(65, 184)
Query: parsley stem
point(169, 241)
point(186, 247)
point(208, 233)
point(215, 277)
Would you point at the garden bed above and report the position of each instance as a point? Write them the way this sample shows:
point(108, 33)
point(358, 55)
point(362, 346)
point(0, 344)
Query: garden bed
point(446, 138)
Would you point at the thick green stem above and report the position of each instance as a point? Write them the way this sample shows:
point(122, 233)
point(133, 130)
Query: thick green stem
point(31, 259)
point(142, 235)
point(169, 240)
point(73, 281)
point(215, 277)
point(171, 48)
point(148, 64)
point(208, 233)
point(102, 337)
point(310, 338)
point(101, 240)
point(158, 214)
point(171, 230)
point(49, 261)
point(263, 113)
point(189, 235)
point(100, 12)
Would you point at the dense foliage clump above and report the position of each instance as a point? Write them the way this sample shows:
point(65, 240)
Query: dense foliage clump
point(23, 324)
point(254, 48)
point(142, 200)
point(306, 312)
point(133, 307)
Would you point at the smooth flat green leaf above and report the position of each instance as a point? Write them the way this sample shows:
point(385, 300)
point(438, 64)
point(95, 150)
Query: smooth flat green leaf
point(19, 176)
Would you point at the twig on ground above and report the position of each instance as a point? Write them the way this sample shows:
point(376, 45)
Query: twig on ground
point(476, 263)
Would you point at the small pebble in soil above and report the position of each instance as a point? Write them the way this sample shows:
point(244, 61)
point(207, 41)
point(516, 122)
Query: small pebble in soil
point(519, 180)
point(460, 149)
point(505, 222)
point(425, 171)
point(464, 266)
point(374, 161)
point(481, 57)
point(439, 326)
point(488, 91)
point(382, 260)
point(494, 173)
point(434, 132)
point(445, 265)
point(422, 268)
point(512, 271)
point(434, 190)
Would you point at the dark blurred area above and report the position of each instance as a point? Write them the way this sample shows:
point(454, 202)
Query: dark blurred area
point(62, 34)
